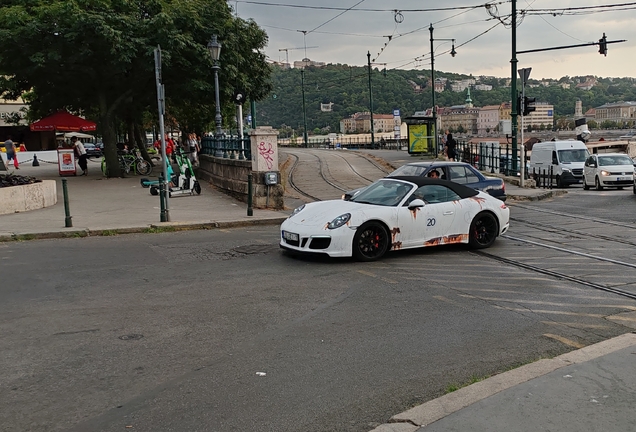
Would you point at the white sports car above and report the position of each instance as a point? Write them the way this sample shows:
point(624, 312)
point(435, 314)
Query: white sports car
point(396, 213)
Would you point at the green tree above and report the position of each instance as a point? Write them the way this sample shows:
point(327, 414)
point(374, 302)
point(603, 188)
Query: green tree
point(95, 57)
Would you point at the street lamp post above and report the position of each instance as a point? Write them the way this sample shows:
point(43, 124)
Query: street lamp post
point(371, 101)
point(434, 110)
point(215, 52)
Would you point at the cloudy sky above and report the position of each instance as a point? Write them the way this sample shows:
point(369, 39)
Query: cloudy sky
point(482, 35)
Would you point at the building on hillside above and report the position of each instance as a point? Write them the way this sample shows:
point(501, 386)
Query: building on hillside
point(564, 85)
point(281, 65)
point(487, 120)
point(620, 112)
point(360, 122)
point(460, 86)
point(542, 115)
point(307, 63)
point(505, 110)
point(482, 87)
point(415, 86)
point(588, 84)
point(590, 115)
point(440, 84)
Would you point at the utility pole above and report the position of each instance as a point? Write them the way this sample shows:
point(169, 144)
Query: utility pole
point(513, 86)
point(434, 110)
point(302, 80)
point(371, 100)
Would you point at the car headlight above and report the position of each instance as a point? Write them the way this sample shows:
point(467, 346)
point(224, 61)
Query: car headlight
point(297, 210)
point(567, 170)
point(605, 173)
point(339, 221)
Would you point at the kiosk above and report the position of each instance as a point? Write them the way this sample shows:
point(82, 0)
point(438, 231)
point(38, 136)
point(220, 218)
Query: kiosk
point(421, 130)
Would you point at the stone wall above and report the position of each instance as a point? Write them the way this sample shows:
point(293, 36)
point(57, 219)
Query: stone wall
point(230, 175)
point(16, 199)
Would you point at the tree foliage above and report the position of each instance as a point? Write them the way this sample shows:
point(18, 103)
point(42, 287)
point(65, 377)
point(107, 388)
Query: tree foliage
point(348, 89)
point(95, 57)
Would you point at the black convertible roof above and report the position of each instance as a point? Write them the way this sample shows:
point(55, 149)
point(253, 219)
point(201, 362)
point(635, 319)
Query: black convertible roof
point(461, 190)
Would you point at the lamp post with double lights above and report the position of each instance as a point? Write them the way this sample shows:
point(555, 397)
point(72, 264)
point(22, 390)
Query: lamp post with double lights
point(452, 53)
point(215, 52)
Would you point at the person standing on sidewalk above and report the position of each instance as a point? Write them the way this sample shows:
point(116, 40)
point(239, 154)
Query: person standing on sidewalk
point(9, 146)
point(82, 157)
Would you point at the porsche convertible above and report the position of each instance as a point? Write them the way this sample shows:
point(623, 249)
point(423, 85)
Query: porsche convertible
point(396, 213)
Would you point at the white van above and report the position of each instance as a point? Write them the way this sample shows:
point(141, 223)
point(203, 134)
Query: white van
point(565, 157)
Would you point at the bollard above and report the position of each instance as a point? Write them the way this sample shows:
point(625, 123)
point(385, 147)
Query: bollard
point(36, 162)
point(68, 223)
point(162, 200)
point(250, 212)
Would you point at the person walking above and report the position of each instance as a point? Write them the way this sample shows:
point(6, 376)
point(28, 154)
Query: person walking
point(80, 152)
point(9, 147)
point(193, 148)
point(451, 147)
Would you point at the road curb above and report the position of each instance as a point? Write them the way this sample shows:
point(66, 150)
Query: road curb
point(436, 409)
point(146, 229)
point(539, 197)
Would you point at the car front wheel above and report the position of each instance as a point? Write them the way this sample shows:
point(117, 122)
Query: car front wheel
point(483, 231)
point(597, 184)
point(370, 242)
point(585, 185)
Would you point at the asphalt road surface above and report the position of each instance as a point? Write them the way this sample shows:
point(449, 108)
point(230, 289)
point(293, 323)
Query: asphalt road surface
point(221, 331)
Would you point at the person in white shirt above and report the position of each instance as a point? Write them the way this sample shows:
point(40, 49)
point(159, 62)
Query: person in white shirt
point(80, 152)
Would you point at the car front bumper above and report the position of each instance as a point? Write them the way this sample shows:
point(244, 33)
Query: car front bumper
point(312, 240)
point(616, 180)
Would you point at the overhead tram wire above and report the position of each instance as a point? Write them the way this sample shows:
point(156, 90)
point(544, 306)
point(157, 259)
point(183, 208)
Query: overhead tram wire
point(438, 9)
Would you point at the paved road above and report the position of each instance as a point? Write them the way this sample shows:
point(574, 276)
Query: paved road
point(168, 331)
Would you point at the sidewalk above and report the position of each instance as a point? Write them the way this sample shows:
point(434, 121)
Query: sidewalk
point(590, 389)
point(120, 205)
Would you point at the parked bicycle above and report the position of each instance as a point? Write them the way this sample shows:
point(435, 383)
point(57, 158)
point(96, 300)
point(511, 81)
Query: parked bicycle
point(130, 162)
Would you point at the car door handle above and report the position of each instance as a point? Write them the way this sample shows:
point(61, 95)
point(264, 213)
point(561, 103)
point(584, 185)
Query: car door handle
point(448, 213)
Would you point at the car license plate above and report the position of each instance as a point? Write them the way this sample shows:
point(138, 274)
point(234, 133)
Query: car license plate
point(290, 236)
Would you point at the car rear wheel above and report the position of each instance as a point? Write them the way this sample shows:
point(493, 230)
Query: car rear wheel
point(483, 231)
point(597, 184)
point(370, 242)
point(634, 188)
point(585, 185)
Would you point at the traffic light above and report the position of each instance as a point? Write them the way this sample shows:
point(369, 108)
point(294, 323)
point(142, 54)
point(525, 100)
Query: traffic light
point(602, 45)
point(519, 102)
point(527, 109)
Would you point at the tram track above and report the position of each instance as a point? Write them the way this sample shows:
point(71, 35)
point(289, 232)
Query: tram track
point(580, 217)
point(324, 175)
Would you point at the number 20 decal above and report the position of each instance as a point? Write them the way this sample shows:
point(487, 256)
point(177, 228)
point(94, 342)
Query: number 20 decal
point(430, 222)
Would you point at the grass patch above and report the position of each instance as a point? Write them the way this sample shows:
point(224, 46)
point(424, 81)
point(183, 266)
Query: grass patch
point(108, 233)
point(472, 380)
point(25, 237)
point(154, 230)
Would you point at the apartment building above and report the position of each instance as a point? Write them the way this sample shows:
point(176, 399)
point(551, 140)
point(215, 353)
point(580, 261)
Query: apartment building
point(361, 123)
point(543, 115)
point(487, 119)
point(620, 112)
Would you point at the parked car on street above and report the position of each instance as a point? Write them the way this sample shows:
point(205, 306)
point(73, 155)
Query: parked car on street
point(608, 170)
point(458, 172)
point(396, 213)
point(92, 150)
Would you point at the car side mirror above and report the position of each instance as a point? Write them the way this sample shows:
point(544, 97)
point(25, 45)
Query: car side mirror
point(416, 203)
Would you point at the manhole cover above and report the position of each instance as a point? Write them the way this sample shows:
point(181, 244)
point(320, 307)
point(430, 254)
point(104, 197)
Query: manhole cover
point(131, 337)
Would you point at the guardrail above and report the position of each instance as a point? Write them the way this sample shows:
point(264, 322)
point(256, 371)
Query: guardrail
point(351, 143)
point(227, 147)
point(491, 157)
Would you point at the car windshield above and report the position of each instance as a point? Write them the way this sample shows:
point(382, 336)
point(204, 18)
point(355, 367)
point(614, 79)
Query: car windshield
point(409, 170)
point(384, 192)
point(568, 156)
point(614, 160)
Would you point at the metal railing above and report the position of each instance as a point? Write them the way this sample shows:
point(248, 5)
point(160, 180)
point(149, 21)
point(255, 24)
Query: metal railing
point(231, 147)
point(490, 157)
point(351, 143)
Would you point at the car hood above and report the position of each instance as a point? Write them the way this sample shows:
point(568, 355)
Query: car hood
point(323, 212)
point(617, 168)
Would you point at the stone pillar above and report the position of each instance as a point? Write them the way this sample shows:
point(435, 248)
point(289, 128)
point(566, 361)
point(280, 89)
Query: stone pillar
point(264, 145)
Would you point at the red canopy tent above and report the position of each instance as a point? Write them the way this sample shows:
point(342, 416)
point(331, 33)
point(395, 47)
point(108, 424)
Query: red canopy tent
point(63, 122)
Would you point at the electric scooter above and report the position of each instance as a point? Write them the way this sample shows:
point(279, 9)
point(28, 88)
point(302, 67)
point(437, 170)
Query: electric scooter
point(184, 183)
